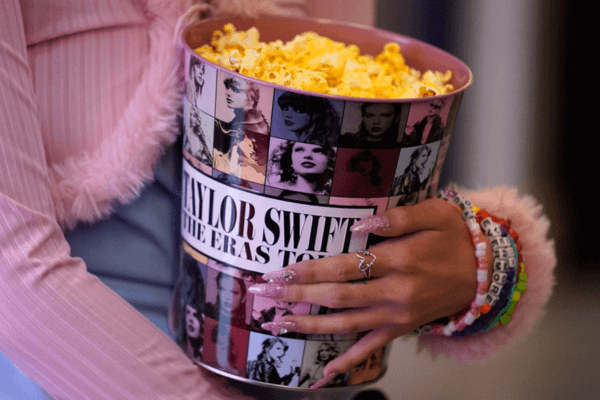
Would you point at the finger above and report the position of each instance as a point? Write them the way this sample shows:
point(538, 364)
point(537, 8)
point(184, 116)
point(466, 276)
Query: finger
point(430, 214)
point(350, 321)
point(340, 268)
point(332, 295)
point(359, 352)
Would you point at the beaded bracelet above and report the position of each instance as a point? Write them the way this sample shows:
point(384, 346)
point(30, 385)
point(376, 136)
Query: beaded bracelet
point(469, 316)
point(519, 290)
point(520, 276)
point(498, 305)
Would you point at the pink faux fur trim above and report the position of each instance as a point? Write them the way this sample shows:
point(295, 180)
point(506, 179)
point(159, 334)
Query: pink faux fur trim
point(88, 187)
point(526, 218)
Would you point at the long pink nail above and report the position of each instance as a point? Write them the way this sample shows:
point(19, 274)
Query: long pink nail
point(267, 290)
point(282, 276)
point(372, 224)
point(324, 381)
point(280, 328)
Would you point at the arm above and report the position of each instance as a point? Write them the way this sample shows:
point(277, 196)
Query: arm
point(58, 323)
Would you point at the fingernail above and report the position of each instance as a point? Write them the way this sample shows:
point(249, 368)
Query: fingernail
point(372, 224)
point(267, 290)
point(282, 276)
point(280, 328)
point(324, 381)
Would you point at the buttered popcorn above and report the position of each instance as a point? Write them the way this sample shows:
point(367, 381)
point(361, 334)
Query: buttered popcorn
point(316, 63)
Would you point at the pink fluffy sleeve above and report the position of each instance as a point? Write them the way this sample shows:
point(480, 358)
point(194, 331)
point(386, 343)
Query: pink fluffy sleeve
point(527, 219)
point(58, 323)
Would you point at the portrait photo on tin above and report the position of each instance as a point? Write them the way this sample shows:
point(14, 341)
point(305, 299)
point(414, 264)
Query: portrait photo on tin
point(290, 195)
point(188, 314)
point(274, 359)
point(373, 125)
point(198, 134)
point(369, 369)
point(426, 121)
point(242, 105)
point(414, 172)
point(300, 167)
point(242, 154)
point(269, 310)
point(241, 138)
point(306, 119)
point(201, 85)
point(227, 299)
point(235, 181)
point(364, 173)
point(225, 347)
point(317, 355)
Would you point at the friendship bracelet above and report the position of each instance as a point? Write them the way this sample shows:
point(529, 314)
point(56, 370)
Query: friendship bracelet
point(503, 306)
point(469, 316)
point(520, 276)
point(519, 290)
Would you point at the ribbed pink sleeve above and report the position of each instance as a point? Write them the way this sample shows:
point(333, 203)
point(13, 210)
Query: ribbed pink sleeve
point(58, 323)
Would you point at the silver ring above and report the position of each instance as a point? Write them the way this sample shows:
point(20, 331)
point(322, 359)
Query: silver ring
point(365, 268)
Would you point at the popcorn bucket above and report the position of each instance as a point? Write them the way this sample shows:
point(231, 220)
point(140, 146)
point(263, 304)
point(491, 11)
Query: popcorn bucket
point(263, 188)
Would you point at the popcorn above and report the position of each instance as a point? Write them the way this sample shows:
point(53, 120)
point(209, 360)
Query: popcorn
point(316, 63)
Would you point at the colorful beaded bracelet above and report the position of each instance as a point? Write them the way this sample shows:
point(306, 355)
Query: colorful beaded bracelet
point(520, 276)
point(469, 316)
point(519, 290)
point(502, 307)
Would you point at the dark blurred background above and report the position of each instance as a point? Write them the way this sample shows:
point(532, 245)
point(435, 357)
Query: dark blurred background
point(519, 125)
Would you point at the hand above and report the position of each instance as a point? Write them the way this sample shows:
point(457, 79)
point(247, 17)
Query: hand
point(425, 272)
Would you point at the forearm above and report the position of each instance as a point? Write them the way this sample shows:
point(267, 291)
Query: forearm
point(526, 218)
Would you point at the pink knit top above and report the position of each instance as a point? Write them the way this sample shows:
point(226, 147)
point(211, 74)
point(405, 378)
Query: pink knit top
point(89, 97)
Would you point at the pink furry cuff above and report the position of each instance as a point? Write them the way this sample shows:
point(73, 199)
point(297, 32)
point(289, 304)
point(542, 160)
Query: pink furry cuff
point(526, 218)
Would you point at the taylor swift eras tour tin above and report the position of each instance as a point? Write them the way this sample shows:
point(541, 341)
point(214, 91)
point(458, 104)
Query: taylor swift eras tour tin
point(273, 176)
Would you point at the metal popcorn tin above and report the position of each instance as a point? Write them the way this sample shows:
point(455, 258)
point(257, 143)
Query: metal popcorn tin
point(263, 188)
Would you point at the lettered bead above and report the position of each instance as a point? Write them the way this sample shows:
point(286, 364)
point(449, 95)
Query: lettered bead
point(495, 288)
point(499, 277)
point(491, 299)
point(495, 243)
point(501, 254)
point(490, 227)
point(504, 241)
point(468, 214)
point(486, 224)
point(501, 265)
